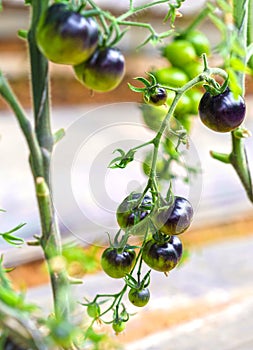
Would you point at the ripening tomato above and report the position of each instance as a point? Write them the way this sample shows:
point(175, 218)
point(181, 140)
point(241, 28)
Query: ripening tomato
point(103, 71)
point(65, 36)
point(139, 297)
point(117, 263)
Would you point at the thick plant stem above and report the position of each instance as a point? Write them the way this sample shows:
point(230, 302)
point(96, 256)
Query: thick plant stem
point(50, 239)
point(40, 88)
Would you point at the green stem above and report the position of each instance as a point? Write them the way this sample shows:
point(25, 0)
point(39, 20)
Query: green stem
point(200, 17)
point(40, 87)
point(25, 125)
point(239, 160)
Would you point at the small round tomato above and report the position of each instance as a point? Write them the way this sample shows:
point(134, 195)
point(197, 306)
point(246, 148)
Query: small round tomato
point(118, 326)
point(179, 53)
point(9, 345)
point(171, 76)
point(153, 115)
point(195, 96)
point(103, 71)
point(175, 219)
point(139, 297)
point(199, 41)
point(193, 69)
point(223, 112)
point(117, 263)
point(184, 104)
point(93, 310)
point(157, 97)
point(65, 36)
point(131, 211)
point(164, 256)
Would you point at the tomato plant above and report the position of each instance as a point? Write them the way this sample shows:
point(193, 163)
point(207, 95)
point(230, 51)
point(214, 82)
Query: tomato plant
point(83, 35)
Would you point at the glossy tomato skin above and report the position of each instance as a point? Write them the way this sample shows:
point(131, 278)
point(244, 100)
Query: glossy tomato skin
point(179, 53)
point(129, 213)
point(118, 326)
point(162, 257)
point(222, 113)
point(103, 71)
point(158, 97)
point(139, 297)
point(65, 36)
point(116, 263)
point(175, 219)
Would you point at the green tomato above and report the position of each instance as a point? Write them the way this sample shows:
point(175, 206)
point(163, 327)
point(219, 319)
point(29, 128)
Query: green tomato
point(184, 104)
point(195, 97)
point(199, 41)
point(153, 115)
point(65, 36)
point(93, 310)
point(118, 326)
point(179, 53)
point(139, 297)
point(171, 76)
point(192, 69)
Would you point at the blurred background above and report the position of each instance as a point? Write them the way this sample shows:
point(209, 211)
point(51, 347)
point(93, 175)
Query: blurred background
point(217, 276)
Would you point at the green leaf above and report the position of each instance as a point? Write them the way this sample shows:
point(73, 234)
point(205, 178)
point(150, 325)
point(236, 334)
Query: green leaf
point(23, 34)
point(13, 240)
point(238, 65)
point(58, 135)
point(135, 89)
point(144, 81)
point(227, 8)
point(18, 227)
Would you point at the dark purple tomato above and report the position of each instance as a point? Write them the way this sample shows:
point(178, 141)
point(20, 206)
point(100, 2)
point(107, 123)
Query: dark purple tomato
point(164, 256)
point(139, 297)
point(158, 97)
point(223, 112)
point(65, 36)
point(131, 211)
point(103, 71)
point(117, 263)
point(175, 219)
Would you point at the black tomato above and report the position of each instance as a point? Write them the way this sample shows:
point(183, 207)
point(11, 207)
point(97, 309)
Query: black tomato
point(65, 36)
point(176, 218)
point(139, 297)
point(103, 71)
point(130, 212)
point(158, 97)
point(117, 263)
point(164, 256)
point(222, 113)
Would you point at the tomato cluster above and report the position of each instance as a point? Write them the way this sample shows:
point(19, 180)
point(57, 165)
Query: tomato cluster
point(183, 55)
point(66, 36)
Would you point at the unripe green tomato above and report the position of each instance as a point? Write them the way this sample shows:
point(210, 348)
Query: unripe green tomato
point(179, 53)
point(199, 41)
point(119, 326)
point(153, 115)
point(195, 96)
point(93, 310)
point(192, 69)
point(184, 104)
point(65, 36)
point(171, 76)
